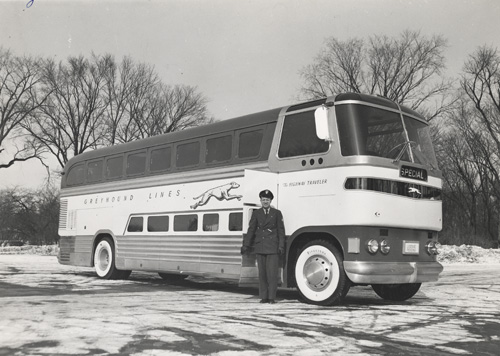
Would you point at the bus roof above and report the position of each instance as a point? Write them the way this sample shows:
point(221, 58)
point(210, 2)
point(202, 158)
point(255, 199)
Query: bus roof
point(191, 133)
point(378, 100)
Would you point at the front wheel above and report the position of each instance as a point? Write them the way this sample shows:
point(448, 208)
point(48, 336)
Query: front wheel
point(320, 275)
point(396, 292)
point(104, 261)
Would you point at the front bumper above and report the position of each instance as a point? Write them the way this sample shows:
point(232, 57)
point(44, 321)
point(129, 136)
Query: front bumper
point(360, 272)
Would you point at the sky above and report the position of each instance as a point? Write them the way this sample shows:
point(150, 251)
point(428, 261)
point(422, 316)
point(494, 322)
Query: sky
point(243, 55)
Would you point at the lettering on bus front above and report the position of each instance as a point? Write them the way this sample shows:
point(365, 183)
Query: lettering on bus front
point(305, 182)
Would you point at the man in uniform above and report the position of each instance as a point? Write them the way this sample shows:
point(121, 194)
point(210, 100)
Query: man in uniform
point(266, 234)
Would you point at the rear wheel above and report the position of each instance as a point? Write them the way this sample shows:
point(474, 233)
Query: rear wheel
point(396, 292)
point(320, 275)
point(104, 261)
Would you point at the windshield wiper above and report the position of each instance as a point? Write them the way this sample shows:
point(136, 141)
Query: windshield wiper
point(406, 146)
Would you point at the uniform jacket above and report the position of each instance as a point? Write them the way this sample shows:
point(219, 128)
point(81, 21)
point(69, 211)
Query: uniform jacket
point(266, 233)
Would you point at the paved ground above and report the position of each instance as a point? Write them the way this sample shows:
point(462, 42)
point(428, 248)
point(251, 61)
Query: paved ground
point(49, 309)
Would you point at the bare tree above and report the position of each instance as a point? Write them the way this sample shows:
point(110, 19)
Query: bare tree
point(406, 69)
point(71, 120)
point(470, 158)
point(121, 81)
point(168, 109)
point(139, 104)
point(29, 216)
point(19, 77)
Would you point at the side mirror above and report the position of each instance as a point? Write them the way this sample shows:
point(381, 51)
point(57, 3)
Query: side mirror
point(322, 124)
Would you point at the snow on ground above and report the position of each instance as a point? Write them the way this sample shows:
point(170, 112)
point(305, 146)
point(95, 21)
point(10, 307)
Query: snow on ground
point(447, 253)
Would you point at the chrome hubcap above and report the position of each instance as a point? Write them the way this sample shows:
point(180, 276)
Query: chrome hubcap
point(103, 260)
point(317, 272)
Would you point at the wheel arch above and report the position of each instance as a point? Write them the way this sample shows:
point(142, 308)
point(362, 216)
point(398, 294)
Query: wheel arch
point(298, 240)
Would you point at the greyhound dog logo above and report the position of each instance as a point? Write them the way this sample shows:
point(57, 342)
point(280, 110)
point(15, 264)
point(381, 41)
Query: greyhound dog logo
point(414, 190)
point(220, 193)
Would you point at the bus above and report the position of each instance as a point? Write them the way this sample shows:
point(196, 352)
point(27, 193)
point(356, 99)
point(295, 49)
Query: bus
point(354, 175)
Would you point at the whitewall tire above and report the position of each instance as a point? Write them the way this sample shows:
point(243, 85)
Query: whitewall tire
point(319, 273)
point(104, 261)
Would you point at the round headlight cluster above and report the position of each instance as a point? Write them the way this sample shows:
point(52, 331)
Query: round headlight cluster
point(385, 247)
point(374, 246)
point(432, 247)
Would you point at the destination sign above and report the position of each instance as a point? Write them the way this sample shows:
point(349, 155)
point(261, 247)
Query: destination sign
point(413, 173)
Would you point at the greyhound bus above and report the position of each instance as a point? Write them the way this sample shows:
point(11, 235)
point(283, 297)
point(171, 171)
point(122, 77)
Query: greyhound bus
point(354, 175)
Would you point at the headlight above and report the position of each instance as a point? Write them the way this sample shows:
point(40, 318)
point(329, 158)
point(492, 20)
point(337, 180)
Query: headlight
point(372, 246)
point(385, 247)
point(432, 247)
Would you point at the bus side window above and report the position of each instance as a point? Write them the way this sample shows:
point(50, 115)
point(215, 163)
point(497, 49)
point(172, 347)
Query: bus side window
point(160, 159)
point(186, 222)
point(188, 154)
point(114, 167)
point(211, 222)
point(235, 221)
point(299, 137)
point(158, 223)
point(135, 224)
point(94, 171)
point(249, 143)
point(76, 175)
point(219, 149)
point(136, 163)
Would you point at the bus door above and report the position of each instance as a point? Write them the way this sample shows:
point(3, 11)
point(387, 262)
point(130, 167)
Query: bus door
point(253, 183)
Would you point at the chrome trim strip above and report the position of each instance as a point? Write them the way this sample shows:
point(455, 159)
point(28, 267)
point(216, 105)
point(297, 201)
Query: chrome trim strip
point(392, 272)
point(344, 102)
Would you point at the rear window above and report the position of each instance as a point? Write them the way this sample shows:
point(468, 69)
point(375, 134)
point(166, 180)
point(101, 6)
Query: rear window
point(76, 175)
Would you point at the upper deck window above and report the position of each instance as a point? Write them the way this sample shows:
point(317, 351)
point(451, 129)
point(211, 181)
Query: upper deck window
point(299, 137)
point(114, 167)
point(188, 154)
point(219, 149)
point(160, 159)
point(94, 171)
point(249, 143)
point(76, 175)
point(136, 163)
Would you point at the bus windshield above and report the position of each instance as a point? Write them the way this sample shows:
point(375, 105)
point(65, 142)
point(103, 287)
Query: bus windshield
point(366, 130)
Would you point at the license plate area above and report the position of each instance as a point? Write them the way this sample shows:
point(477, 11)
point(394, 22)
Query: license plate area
point(411, 247)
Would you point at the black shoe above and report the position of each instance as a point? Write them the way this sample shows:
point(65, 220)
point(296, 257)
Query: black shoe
point(264, 301)
point(272, 301)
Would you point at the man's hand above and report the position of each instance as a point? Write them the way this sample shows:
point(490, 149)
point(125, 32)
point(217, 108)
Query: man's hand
point(245, 250)
point(281, 251)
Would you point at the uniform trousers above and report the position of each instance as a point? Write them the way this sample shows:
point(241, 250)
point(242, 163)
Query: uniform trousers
point(268, 275)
